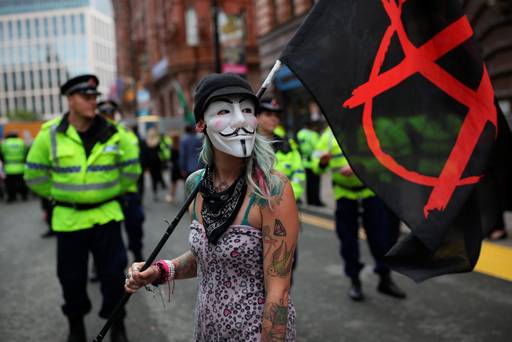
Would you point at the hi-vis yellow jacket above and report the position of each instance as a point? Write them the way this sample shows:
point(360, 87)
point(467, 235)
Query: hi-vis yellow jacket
point(57, 168)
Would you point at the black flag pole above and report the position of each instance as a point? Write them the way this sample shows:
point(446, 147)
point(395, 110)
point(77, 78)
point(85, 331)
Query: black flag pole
point(148, 262)
point(172, 226)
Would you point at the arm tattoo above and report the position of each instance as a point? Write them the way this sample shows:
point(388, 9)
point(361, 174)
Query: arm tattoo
point(275, 319)
point(186, 266)
point(282, 260)
point(279, 229)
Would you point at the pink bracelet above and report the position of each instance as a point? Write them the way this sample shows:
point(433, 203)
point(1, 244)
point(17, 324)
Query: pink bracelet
point(165, 273)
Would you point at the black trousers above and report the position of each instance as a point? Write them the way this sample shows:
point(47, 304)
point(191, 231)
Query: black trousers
point(312, 188)
point(133, 220)
point(15, 184)
point(107, 247)
point(377, 225)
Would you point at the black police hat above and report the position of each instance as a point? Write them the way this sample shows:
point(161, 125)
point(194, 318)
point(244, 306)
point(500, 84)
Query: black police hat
point(269, 105)
point(215, 85)
point(108, 107)
point(84, 84)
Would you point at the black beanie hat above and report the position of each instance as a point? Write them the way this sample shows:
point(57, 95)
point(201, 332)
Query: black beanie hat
point(215, 85)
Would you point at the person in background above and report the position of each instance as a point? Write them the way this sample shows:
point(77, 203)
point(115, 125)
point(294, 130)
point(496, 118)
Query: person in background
point(131, 200)
point(351, 195)
point(308, 137)
point(288, 159)
point(13, 152)
point(190, 146)
point(83, 163)
point(175, 174)
point(154, 161)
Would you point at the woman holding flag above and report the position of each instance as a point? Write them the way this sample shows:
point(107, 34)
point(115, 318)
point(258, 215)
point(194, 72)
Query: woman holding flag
point(244, 225)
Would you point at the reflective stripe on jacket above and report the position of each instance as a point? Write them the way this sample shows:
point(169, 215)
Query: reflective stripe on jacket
point(289, 162)
point(57, 168)
point(349, 187)
point(307, 139)
point(13, 151)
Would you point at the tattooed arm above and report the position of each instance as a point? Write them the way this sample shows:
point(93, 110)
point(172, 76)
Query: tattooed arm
point(280, 233)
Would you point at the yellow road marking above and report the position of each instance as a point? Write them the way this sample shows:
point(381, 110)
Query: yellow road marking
point(495, 260)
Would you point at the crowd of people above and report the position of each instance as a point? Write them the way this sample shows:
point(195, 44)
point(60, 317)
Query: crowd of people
point(88, 168)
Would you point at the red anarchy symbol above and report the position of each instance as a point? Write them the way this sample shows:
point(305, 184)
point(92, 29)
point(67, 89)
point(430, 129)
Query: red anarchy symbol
point(422, 60)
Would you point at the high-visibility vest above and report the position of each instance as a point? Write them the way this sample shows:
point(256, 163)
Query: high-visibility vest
point(307, 139)
point(349, 187)
point(13, 151)
point(289, 162)
point(58, 168)
point(164, 152)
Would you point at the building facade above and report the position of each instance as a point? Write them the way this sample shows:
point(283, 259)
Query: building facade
point(44, 43)
point(164, 45)
point(278, 20)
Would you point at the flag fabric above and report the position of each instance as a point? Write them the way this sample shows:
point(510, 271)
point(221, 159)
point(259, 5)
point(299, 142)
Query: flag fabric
point(409, 99)
point(187, 113)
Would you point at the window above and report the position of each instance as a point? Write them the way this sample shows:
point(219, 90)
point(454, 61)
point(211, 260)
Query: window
point(50, 78)
point(27, 29)
point(37, 30)
point(1, 31)
point(20, 29)
point(41, 82)
point(43, 107)
point(64, 26)
point(46, 28)
point(54, 24)
point(73, 24)
point(6, 83)
point(10, 33)
point(82, 24)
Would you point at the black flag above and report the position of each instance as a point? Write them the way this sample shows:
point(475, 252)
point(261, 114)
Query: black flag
point(406, 93)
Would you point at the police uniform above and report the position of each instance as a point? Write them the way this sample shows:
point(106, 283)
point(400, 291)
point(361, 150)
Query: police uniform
point(131, 200)
point(288, 158)
point(84, 173)
point(308, 139)
point(350, 193)
point(13, 152)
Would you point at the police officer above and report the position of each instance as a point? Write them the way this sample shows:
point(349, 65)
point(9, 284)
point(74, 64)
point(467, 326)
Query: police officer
point(351, 194)
point(83, 163)
point(131, 200)
point(308, 138)
point(288, 159)
point(13, 152)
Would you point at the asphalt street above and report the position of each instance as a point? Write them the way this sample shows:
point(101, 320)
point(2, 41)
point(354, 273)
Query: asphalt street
point(469, 307)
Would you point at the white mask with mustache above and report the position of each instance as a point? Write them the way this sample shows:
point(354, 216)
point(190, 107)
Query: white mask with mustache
point(231, 125)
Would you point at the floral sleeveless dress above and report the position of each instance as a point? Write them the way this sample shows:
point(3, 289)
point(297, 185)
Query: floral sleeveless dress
point(231, 292)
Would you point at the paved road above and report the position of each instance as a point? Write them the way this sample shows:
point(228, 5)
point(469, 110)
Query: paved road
point(470, 307)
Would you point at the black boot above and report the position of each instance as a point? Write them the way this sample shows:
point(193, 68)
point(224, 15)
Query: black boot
point(356, 293)
point(76, 330)
point(389, 288)
point(118, 332)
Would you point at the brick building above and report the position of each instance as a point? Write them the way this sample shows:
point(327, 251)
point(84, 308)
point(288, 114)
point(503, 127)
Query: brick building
point(279, 19)
point(163, 41)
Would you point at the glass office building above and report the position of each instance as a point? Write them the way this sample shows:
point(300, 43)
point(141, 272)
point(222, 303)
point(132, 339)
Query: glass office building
point(43, 43)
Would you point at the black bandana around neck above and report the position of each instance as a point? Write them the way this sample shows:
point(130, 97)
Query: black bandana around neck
point(220, 208)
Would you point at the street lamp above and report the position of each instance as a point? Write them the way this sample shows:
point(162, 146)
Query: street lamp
point(216, 43)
